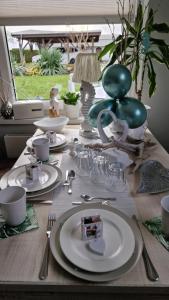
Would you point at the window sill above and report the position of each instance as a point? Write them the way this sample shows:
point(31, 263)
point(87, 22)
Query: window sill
point(15, 122)
point(30, 121)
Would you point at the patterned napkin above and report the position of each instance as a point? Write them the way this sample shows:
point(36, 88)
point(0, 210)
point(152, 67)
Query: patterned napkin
point(154, 226)
point(29, 224)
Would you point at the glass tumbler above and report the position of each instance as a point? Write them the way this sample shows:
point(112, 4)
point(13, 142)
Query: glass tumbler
point(98, 169)
point(82, 162)
point(115, 177)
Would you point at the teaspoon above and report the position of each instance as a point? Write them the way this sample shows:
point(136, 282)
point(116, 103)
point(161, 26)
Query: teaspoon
point(71, 176)
point(88, 198)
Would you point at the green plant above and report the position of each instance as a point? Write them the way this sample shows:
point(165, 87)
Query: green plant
point(18, 70)
point(138, 49)
point(33, 70)
point(28, 54)
point(50, 62)
point(70, 98)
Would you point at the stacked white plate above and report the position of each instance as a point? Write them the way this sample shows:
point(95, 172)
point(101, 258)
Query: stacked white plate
point(122, 239)
point(58, 145)
point(49, 178)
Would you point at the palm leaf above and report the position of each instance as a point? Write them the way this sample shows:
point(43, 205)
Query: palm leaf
point(151, 77)
point(165, 54)
point(121, 47)
point(150, 21)
point(129, 27)
point(156, 57)
point(136, 68)
point(158, 42)
point(107, 48)
point(162, 27)
point(139, 18)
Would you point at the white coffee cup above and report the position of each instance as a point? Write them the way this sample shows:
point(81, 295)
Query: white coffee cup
point(165, 214)
point(41, 149)
point(13, 204)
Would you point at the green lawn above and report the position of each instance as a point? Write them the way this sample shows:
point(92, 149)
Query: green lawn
point(30, 87)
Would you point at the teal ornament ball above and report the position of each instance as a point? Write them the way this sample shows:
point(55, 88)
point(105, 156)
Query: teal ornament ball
point(98, 106)
point(132, 111)
point(116, 81)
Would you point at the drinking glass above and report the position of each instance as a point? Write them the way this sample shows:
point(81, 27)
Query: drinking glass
point(82, 162)
point(115, 178)
point(98, 169)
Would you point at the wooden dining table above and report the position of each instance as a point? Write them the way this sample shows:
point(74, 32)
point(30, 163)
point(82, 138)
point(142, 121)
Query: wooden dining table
point(21, 255)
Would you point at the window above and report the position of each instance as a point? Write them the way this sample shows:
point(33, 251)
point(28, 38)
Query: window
point(44, 56)
point(31, 84)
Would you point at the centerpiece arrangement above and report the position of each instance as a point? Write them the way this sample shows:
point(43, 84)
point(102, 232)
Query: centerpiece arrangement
point(135, 50)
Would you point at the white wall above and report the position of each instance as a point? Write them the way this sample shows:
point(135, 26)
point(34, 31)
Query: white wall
point(159, 114)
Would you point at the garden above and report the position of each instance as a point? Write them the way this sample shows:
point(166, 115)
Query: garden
point(34, 80)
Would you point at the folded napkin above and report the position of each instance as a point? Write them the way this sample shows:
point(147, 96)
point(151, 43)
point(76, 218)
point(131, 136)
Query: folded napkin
point(154, 226)
point(116, 155)
point(29, 224)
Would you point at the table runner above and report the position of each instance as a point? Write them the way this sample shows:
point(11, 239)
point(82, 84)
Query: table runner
point(83, 185)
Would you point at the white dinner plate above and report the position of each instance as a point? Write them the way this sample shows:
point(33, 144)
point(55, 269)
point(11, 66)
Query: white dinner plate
point(59, 148)
point(118, 236)
point(60, 140)
point(47, 176)
point(92, 276)
point(29, 195)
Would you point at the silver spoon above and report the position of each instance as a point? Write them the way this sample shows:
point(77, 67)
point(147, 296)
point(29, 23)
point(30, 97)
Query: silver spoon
point(89, 198)
point(71, 176)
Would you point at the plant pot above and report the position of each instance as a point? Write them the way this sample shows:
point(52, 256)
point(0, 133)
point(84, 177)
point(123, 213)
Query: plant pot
point(72, 111)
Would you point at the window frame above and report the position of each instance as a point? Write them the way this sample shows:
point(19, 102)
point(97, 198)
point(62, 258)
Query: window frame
point(7, 82)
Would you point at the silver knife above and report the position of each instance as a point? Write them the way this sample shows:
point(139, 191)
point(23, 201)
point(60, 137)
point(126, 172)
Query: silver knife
point(149, 267)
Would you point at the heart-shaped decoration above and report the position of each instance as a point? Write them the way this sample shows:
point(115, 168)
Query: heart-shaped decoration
point(97, 245)
point(154, 177)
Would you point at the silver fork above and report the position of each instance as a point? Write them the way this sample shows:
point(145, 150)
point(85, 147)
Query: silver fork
point(44, 267)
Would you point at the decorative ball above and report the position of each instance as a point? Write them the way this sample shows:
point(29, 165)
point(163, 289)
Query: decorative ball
point(116, 81)
point(132, 111)
point(106, 119)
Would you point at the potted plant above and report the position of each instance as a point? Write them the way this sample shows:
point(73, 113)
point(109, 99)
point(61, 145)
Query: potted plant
point(137, 49)
point(71, 104)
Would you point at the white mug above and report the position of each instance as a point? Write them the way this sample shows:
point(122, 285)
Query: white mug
point(13, 204)
point(41, 149)
point(165, 214)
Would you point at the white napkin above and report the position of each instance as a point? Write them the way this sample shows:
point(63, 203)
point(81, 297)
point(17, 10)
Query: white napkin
point(117, 155)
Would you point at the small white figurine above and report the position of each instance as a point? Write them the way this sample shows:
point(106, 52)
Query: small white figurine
point(54, 103)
